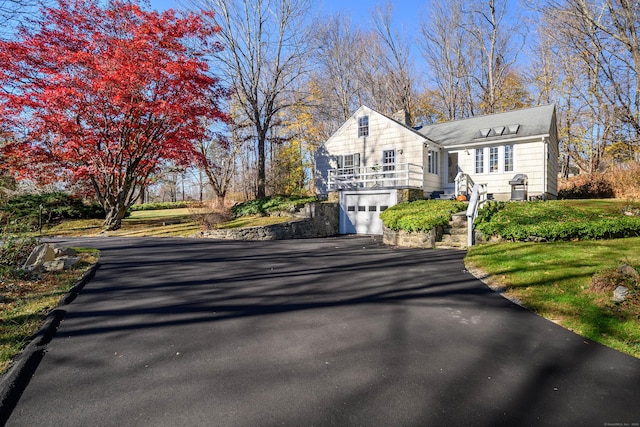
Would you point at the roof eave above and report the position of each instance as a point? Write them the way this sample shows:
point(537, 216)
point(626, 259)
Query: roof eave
point(499, 141)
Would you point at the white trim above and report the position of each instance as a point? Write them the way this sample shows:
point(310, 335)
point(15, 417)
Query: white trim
point(488, 142)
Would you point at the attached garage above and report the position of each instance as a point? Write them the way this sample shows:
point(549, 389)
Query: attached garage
point(360, 210)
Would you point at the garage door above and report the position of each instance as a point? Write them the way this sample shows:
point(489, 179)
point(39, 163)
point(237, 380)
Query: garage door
point(360, 212)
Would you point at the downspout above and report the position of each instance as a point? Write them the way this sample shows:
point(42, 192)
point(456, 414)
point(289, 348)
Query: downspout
point(544, 170)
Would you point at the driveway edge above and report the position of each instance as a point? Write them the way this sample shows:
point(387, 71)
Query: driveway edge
point(16, 379)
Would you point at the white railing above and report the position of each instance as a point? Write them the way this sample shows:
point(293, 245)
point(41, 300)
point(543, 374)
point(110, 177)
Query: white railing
point(478, 198)
point(464, 184)
point(398, 175)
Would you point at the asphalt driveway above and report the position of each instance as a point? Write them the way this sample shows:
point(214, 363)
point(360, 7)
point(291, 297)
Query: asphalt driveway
point(340, 331)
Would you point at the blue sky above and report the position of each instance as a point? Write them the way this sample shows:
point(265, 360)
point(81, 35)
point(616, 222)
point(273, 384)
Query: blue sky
point(406, 13)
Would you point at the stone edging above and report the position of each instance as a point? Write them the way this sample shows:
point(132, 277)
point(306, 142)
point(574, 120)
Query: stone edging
point(314, 221)
point(16, 379)
point(416, 239)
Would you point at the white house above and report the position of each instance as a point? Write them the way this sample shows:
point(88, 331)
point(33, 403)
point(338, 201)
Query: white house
point(512, 155)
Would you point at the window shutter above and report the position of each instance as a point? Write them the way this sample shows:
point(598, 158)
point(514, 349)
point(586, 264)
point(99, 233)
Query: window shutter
point(356, 159)
point(340, 161)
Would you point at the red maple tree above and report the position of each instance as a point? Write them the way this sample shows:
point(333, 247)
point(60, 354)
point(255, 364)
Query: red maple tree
point(104, 95)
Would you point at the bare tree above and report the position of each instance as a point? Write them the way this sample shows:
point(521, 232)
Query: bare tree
point(498, 45)
point(264, 56)
point(595, 43)
point(219, 162)
point(339, 50)
point(396, 62)
point(447, 48)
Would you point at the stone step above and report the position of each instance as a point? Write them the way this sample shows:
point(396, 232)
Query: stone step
point(462, 223)
point(454, 238)
point(451, 245)
point(455, 230)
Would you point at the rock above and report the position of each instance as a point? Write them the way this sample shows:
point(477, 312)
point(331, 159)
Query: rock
point(61, 251)
point(39, 255)
point(69, 261)
point(53, 266)
point(627, 270)
point(620, 294)
point(49, 257)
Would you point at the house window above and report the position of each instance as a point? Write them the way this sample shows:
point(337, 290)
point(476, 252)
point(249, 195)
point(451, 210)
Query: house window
point(508, 158)
point(433, 162)
point(348, 164)
point(363, 126)
point(479, 160)
point(388, 160)
point(494, 159)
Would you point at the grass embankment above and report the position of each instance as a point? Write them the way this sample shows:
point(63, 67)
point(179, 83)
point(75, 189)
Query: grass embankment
point(24, 304)
point(554, 279)
point(181, 222)
point(164, 220)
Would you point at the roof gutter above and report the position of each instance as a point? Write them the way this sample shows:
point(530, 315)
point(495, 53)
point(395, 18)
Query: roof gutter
point(533, 138)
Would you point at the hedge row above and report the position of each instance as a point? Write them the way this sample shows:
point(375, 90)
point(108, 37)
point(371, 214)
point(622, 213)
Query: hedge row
point(422, 215)
point(269, 204)
point(553, 221)
point(24, 210)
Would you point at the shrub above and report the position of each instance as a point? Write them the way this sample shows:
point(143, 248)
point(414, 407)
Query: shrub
point(270, 204)
point(14, 250)
point(160, 206)
point(625, 180)
point(557, 220)
point(594, 186)
point(24, 210)
point(421, 215)
point(487, 212)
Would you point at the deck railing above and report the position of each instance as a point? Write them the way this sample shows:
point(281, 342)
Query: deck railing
point(387, 176)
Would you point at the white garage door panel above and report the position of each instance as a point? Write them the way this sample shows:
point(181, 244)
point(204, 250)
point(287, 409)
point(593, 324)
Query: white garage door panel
point(361, 212)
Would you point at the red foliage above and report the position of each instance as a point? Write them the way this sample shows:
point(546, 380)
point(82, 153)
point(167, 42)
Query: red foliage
point(106, 94)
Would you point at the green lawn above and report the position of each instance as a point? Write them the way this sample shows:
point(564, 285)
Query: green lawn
point(24, 304)
point(553, 280)
point(166, 222)
point(181, 222)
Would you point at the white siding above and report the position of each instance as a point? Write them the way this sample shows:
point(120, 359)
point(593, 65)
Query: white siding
point(529, 159)
point(384, 134)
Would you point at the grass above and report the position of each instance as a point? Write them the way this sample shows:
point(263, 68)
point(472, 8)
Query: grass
point(25, 304)
point(253, 221)
point(553, 279)
point(182, 222)
point(166, 222)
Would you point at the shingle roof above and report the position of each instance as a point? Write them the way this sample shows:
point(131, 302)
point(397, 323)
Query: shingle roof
point(532, 122)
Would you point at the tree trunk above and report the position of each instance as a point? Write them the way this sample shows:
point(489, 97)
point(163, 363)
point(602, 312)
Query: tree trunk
point(261, 191)
point(113, 220)
point(220, 200)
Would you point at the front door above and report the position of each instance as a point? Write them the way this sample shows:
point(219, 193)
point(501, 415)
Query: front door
point(452, 170)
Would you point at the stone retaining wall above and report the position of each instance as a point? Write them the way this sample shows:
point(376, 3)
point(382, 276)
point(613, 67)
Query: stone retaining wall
point(312, 221)
point(416, 239)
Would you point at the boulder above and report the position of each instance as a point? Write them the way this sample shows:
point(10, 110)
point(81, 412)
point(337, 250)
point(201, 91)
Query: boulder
point(61, 251)
point(69, 261)
point(627, 270)
point(53, 266)
point(49, 257)
point(38, 256)
point(620, 294)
